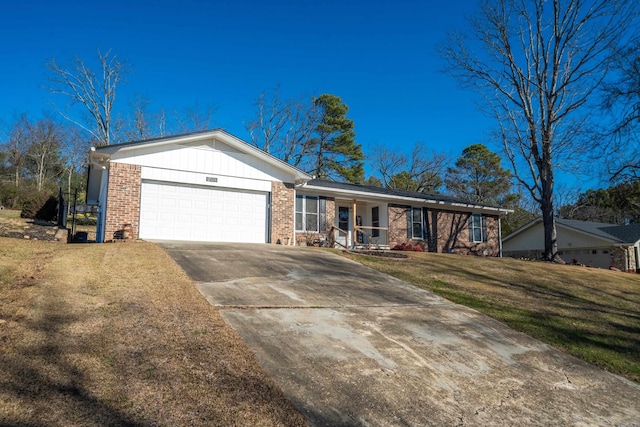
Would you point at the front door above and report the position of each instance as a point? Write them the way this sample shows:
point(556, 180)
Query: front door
point(343, 224)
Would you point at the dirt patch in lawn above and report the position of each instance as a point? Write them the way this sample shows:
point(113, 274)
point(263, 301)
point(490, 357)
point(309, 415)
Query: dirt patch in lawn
point(116, 334)
point(11, 225)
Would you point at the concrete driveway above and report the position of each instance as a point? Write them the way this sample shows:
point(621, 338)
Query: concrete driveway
point(351, 346)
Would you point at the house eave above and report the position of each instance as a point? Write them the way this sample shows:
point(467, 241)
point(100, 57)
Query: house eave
point(389, 198)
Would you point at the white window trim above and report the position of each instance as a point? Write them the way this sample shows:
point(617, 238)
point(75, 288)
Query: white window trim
point(421, 237)
point(305, 198)
point(480, 226)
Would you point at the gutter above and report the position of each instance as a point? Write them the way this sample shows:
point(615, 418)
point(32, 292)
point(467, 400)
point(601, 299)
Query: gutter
point(459, 206)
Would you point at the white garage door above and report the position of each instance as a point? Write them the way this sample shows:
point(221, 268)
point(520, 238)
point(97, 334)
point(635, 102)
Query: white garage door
point(181, 212)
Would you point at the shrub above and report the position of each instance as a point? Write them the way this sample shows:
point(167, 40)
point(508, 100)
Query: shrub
point(49, 210)
point(32, 204)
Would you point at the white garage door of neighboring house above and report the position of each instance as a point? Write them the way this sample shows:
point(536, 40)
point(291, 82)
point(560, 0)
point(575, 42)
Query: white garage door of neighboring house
point(182, 212)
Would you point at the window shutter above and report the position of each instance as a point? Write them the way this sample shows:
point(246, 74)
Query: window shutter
point(483, 220)
point(471, 227)
point(409, 222)
point(426, 231)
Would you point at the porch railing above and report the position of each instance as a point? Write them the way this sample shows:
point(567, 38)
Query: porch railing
point(334, 241)
point(358, 229)
point(369, 243)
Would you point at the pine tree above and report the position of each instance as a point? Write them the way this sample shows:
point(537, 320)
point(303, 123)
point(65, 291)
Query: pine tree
point(337, 155)
point(478, 176)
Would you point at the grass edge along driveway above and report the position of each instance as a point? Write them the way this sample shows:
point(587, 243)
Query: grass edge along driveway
point(116, 334)
point(590, 313)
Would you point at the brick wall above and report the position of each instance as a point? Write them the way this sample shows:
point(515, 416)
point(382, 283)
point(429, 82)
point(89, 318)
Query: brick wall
point(398, 225)
point(448, 232)
point(123, 201)
point(282, 204)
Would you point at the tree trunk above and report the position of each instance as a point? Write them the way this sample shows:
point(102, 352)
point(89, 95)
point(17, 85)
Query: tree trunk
point(548, 215)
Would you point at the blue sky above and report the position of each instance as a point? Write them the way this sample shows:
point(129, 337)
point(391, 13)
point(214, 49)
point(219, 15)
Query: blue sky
point(378, 56)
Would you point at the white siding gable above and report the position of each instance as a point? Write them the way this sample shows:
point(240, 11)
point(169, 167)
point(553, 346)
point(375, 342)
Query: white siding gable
point(203, 157)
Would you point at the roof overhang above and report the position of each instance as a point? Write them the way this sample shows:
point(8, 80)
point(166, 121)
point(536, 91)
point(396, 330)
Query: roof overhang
point(366, 196)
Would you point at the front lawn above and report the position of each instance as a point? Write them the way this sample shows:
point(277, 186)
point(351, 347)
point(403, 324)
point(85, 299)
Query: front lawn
point(116, 334)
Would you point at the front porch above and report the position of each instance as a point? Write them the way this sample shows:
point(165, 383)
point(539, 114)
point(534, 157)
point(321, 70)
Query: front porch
point(341, 223)
point(360, 225)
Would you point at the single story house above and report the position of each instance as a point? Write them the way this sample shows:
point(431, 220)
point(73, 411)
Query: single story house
point(212, 186)
point(580, 242)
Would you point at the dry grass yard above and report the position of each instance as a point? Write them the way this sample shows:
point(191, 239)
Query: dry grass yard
point(116, 334)
point(591, 313)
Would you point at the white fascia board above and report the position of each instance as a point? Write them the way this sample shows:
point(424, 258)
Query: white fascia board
point(389, 198)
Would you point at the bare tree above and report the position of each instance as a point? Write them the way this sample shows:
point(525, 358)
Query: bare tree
point(16, 147)
point(284, 127)
point(94, 92)
point(421, 170)
point(140, 125)
point(622, 101)
point(271, 120)
point(142, 122)
point(45, 140)
point(74, 150)
point(541, 62)
point(194, 118)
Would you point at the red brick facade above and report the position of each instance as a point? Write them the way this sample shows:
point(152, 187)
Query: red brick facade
point(448, 232)
point(123, 202)
point(282, 203)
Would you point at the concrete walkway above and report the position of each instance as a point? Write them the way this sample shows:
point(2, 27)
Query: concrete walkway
point(351, 346)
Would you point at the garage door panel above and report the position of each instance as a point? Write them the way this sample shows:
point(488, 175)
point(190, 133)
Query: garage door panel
point(176, 212)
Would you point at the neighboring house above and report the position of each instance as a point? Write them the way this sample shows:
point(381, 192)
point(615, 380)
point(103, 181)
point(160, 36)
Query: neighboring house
point(580, 242)
point(212, 186)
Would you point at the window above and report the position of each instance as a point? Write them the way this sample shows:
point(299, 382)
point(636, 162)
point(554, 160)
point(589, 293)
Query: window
point(311, 214)
point(375, 221)
point(416, 223)
point(477, 228)
point(343, 218)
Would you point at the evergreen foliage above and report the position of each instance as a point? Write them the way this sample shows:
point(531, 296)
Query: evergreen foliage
point(336, 153)
point(478, 176)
